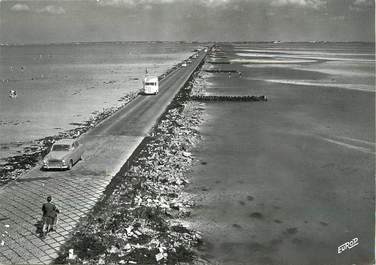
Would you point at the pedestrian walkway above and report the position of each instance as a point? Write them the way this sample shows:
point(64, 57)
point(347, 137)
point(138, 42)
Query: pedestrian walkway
point(74, 192)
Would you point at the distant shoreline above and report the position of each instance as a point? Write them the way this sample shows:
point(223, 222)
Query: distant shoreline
point(97, 42)
point(187, 42)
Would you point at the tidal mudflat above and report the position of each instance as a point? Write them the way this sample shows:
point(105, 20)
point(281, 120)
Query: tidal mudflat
point(60, 86)
point(289, 180)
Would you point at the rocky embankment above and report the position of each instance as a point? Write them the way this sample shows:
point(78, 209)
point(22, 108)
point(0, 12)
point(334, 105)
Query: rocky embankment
point(137, 222)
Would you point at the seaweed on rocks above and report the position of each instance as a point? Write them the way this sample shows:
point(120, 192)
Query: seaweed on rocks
point(218, 62)
point(220, 71)
point(228, 98)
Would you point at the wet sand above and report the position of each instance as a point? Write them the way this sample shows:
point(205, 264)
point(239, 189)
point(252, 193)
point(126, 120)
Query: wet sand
point(285, 181)
point(61, 85)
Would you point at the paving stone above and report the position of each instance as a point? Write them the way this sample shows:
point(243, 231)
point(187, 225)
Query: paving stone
point(45, 248)
point(59, 238)
point(50, 241)
point(54, 238)
point(4, 249)
point(54, 255)
point(64, 233)
point(18, 248)
point(36, 252)
point(18, 260)
point(4, 260)
point(56, 246)
point(50, 251)
point(38, 242)
point(23, 250)
point(31, 236)
point(45, 258)
point(34, 261)
point(8, 253)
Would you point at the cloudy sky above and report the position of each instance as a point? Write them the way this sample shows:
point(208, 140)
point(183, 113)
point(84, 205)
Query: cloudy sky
point(47, 21)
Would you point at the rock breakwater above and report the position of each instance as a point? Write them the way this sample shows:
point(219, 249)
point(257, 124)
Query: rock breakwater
point(138, 221)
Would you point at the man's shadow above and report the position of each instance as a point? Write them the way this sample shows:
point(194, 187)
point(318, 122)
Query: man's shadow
point(39, 229)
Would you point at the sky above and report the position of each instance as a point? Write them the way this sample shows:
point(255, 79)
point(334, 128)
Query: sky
point(57, 21)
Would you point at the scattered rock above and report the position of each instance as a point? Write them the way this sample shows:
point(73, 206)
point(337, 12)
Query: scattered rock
point(187, 154)
point(256, 215)
point(250, 198)
point(324, 223)
point(71, 255)
point(159, 257)
point(291, 231)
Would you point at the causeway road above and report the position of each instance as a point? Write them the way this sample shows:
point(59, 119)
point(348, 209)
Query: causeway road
point(107, 148)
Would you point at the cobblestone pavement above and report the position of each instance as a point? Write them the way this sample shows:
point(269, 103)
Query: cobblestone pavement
point(74, 192)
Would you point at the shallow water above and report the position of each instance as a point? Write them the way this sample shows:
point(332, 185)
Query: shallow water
point(289, 180)
point(348, 66)
point(59, 85)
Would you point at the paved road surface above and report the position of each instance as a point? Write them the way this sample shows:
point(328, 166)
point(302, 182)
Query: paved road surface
point(75, 192)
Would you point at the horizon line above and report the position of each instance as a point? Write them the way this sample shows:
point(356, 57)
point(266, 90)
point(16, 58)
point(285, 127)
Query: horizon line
point(179, 41)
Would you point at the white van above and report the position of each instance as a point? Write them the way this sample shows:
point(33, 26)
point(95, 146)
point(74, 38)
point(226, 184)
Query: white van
point(151, 85)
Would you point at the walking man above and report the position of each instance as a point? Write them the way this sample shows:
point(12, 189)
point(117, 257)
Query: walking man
point(50, 212)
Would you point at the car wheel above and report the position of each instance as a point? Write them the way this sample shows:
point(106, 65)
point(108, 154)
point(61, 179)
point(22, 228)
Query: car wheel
point(70, 165)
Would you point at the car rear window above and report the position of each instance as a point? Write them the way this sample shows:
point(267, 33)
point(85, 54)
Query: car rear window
point(60, 147)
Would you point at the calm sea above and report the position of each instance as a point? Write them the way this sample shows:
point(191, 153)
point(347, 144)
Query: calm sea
point(341, 65)
point(58, 85)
